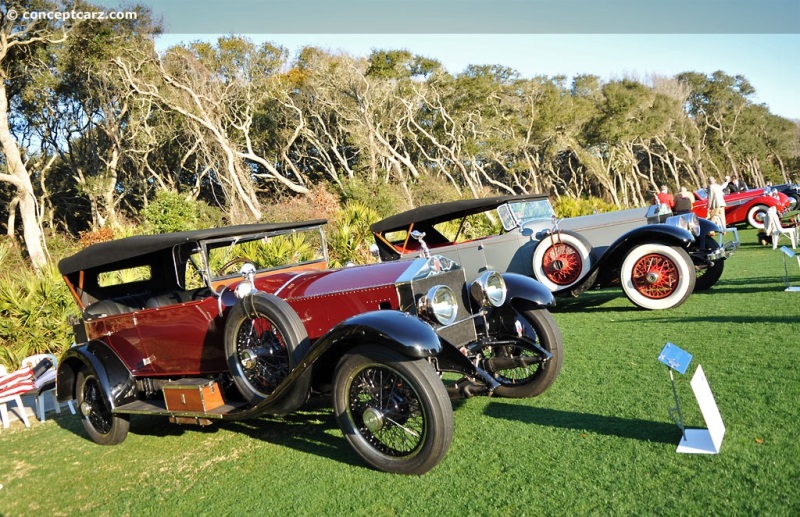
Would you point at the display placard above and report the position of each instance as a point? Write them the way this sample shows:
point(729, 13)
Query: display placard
point(676, 358)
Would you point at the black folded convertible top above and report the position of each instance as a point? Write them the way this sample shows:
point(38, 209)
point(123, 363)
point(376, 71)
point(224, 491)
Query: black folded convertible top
point(434, 214)
point(138, 245)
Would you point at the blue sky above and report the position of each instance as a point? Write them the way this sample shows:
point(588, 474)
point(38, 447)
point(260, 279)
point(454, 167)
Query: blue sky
point(759, 39)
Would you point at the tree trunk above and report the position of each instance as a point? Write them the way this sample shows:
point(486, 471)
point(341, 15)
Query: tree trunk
point(18, 176)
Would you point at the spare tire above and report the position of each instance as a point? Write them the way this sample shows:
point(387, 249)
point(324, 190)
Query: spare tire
point(560, 261)
point(264, 340)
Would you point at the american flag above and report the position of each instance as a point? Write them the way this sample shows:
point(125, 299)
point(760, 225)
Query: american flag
point(16, 383)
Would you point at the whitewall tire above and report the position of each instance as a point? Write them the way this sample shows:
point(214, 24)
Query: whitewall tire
point(561, 261)
point(657, 276)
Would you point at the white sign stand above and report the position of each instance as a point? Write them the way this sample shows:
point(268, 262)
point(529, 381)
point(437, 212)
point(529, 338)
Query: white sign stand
point(703, 441)
point(789, 253)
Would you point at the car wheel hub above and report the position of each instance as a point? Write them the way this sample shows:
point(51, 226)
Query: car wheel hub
point(373, 419)
point(248, 359)
point(86, 408)
point(652, 277)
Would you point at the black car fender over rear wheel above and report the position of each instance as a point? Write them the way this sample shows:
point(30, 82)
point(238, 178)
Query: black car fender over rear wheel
point(393, 410)
point(264, 340)
point(656, 276)
point(100, 423)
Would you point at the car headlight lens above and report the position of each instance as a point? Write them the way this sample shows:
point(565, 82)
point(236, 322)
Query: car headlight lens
point(489, 289)
point(688, 222)
point(440, 304)
point(243, 289)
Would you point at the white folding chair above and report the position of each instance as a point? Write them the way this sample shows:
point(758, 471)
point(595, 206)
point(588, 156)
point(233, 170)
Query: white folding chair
point(45, 384)
point(774, 229)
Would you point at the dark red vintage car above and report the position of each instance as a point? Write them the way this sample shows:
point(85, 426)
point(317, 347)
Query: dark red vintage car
point(232, 323)
point(749, 206)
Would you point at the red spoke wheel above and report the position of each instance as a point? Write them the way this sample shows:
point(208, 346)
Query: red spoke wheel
point(560, 261)
point(655, 276)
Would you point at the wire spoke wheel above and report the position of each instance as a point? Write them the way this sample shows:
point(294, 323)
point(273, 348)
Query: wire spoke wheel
point(263, 354)
point(560, 261)
point(393, 410)
point(103, 426)
point(98, 414)
point(562, 264)
point(386, 410)
point(657, 276)
point(522, 369)
point(264, 340)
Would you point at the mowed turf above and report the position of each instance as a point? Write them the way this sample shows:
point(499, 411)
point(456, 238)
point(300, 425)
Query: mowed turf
point(600, 441)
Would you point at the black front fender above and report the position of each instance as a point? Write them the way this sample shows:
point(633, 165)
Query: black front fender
point(400, 331)
point(521, 287)
point(97, 358)
point(706, 227)
point(394, 329)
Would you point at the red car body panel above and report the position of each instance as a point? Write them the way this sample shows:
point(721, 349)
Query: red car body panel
point(173, 333)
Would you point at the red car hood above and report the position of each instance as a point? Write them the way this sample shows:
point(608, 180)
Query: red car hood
point(356, 278)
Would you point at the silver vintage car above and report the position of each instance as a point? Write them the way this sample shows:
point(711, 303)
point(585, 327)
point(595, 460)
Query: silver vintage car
point(657, 258)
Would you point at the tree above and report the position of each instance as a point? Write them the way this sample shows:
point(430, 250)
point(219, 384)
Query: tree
point(217, 90)
point(22, 56)
point(717, 102)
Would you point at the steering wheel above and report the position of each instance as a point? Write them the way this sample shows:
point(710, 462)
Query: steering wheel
point(224, 267)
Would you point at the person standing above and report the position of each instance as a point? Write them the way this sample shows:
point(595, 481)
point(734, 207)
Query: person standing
point(665, 198)
point(716, 203)
point(684, 201)
point(738, 185)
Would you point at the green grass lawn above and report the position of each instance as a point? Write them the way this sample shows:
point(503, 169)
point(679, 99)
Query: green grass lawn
point(600, 441)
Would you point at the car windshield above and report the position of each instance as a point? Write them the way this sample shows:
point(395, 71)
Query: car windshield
point(521, 211)
point(265, 251)
point(701, 194)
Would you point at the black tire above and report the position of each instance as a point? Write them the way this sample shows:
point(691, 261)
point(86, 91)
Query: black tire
point(756, 216)
point(519, 378)
point(393, 410)
point(100, 423)
point(264, 340)
point(708, 276)
point(656, 276)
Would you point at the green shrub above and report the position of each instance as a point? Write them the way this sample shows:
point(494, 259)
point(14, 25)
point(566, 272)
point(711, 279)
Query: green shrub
point(349, 237)
point(385, 199)
point(571, 207)
point(172, 212)
point(35, 307)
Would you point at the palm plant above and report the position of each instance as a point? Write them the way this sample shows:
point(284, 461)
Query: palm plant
point(350, 237)
point(35, 308)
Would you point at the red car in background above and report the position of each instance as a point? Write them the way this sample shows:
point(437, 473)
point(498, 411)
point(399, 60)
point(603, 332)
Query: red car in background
point(748, 207)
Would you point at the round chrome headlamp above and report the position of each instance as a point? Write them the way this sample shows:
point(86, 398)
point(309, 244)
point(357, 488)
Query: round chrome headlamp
point(694, 224)
point(244, 289)
point(489, 289)
point(440, 304)
point(689, 222)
